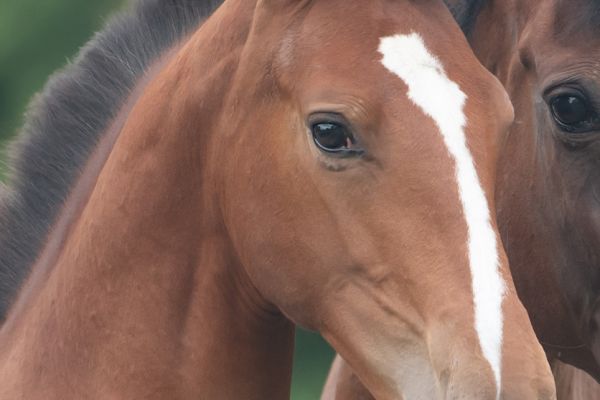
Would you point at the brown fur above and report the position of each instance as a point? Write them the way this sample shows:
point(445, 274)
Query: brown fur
point(548, 189)
point(67, 120)
point(214, 224)
point(557, 274)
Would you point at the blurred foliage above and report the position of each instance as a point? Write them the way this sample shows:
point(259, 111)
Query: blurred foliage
point(312, 360)
point(38, 37)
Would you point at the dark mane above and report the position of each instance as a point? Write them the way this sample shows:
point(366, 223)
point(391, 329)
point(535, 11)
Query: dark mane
point(465, 12)
point(68, 118)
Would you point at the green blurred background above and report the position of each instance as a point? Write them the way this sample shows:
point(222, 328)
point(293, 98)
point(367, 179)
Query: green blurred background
point(38, 37)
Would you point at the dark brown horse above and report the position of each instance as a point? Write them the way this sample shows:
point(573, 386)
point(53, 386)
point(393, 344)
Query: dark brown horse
point(547, 56)
point(323, 163)
point(549, 186)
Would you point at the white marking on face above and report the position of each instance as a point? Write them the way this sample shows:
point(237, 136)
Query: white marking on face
point(442, 99)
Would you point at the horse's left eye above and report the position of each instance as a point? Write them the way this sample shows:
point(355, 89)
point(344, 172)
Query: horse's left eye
point(333, 138)
point(573, 113)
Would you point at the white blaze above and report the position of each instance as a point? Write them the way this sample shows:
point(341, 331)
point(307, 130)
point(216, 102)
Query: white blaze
point(442, 99)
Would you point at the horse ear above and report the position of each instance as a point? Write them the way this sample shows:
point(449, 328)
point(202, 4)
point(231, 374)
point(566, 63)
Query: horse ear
point(465, 12)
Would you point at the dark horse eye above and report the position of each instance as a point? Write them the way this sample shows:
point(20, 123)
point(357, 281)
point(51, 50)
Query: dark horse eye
point(332, 137)
point(571, 112)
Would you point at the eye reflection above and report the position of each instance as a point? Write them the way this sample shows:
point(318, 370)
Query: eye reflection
point(570, 110)
point(332, 137)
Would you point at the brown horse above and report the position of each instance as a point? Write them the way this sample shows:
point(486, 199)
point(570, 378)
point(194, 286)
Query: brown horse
point(549, 180)
point(546, 55)
point(323, 163)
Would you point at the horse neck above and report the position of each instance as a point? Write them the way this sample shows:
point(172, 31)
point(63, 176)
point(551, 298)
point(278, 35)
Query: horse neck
point(146, 297)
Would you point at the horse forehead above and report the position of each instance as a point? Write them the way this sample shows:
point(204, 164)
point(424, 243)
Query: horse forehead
point(564, 22)
point(412, 56)
point(564, 41)
point(345, 28)
point(577, 13)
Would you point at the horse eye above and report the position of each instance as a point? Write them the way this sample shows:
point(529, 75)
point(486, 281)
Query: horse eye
point(570, 111)
point(333, 137)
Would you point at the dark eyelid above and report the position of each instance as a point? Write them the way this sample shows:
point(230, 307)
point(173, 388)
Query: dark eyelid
point(321, 117)
point(564, 89)
point(573, 87)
